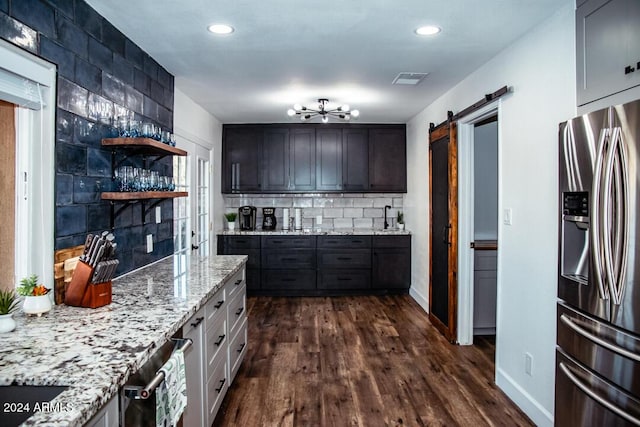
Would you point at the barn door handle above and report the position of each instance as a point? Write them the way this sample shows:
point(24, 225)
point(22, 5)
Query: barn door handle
point(445, 234)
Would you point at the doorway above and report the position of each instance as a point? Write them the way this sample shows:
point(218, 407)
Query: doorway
point(478, 238)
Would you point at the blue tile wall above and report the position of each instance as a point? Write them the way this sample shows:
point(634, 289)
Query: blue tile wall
point(17, 33)
point(96, 64)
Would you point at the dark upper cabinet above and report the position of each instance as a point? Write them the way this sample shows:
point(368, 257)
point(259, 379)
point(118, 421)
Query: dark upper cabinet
point(307, 158)
point(328, 159)
point(288, 160)
point(387, 160)
point(302, 159)
point(275, 156)
point(355, 159)
point(242, 159)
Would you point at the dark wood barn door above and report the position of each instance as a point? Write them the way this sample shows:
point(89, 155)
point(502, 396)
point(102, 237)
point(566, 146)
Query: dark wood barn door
point(443, 202)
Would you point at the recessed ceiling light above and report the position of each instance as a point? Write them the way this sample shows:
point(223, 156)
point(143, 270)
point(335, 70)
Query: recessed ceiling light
point(220, 29)
point(428, 30)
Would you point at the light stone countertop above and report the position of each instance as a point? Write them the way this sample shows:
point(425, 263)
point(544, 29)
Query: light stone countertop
point(325, 232)
point(94, 351)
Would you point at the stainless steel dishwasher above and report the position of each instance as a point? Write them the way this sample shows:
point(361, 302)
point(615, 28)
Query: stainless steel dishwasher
point(137, 396)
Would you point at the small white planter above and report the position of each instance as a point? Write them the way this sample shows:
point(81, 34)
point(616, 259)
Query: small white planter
point(232, 226)
point(7, 324)
point(400, 226)
point(36, 305)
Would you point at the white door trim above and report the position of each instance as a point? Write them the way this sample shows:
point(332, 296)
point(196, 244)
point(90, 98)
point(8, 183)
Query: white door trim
point(466, 217)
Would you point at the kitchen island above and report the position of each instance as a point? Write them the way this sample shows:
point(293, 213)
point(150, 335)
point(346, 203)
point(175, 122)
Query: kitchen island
point(95, 351)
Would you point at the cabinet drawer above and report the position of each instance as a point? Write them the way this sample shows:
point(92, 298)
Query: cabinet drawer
point(216, 338)
point(217, 386)
point(194, 322)
point(237, 350)
point(344, 242)
point(217, 304)
point(236, 311)
point(339, 279)
point(236, 282)
point(392, 241)
point(288, 279)
point(273, 242)
point(354, 258)
point(288, 259)
point(242, 242)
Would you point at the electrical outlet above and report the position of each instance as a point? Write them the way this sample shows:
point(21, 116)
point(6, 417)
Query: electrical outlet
point(149, 243)
point(158, 214)
point(508, 216)
point(528, 364)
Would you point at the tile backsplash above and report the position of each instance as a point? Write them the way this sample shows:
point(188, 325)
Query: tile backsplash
point(338, 210)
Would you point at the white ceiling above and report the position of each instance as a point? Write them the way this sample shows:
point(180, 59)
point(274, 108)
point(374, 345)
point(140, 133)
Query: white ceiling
point(286, 51)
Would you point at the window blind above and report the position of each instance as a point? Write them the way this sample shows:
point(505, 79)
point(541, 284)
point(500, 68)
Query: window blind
point(19, 90)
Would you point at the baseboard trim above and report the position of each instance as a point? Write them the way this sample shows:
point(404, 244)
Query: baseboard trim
point(420, 299)
point(538, 414)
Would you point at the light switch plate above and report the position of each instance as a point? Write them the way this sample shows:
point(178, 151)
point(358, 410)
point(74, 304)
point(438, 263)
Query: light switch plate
point(158, 214)
point(149, 243)
point(508, 216)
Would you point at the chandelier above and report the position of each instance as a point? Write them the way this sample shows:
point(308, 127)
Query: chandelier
point(342, 112)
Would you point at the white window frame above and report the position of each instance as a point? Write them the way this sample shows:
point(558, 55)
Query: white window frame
point(35, 160)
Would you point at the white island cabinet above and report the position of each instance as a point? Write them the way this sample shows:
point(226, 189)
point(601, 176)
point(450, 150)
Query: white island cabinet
point(209, 360)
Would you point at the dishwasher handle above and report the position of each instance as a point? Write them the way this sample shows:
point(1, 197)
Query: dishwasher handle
point(143, 393)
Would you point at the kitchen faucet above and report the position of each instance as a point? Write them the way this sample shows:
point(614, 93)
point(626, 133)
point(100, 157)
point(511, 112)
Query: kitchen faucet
point(386, 224)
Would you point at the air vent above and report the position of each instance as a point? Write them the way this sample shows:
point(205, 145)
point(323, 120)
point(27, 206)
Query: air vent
point(409, 78)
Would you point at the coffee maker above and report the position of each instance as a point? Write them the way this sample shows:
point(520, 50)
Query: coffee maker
point(269, 219)
point(247, 218)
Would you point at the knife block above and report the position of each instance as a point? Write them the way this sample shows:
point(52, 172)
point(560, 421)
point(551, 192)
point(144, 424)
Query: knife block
point(82, 293)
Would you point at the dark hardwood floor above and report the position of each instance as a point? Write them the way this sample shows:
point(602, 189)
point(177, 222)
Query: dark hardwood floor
point(360, 361)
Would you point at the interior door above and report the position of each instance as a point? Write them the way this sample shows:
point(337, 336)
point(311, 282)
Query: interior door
point(200, 188)
point(443, 202)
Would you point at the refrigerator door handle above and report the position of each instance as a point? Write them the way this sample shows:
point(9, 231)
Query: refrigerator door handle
point(586, 390)
point(596, 339)
point(596, 216)
point(620, 170)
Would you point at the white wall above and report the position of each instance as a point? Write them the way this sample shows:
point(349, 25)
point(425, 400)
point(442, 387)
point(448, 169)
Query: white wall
point(541, 69)
point(194, 124)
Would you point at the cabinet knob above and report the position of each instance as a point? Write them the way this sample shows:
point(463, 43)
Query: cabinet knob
point(629, 69)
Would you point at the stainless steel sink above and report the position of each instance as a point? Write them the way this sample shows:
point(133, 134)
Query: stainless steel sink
point(19, 402)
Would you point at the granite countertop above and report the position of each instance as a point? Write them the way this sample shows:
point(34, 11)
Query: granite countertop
point(94, 351)
point(331, 232)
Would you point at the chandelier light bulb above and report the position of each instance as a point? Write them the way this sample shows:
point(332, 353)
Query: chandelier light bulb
point(323, 111)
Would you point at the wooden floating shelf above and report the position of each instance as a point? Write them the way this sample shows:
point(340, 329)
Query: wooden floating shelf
point(150, 145)
point(143, 195)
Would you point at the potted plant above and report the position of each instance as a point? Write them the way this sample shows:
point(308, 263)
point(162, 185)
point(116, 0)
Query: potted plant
point(36, 300)
point(8, 304)
point(231, 220)
point(400, 220)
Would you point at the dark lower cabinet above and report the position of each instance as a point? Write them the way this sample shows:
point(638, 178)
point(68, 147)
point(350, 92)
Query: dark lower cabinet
point(244, 245)
point(323, 265)
point(391, 268)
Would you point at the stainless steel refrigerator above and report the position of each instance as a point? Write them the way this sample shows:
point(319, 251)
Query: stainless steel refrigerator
point(598, 340)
